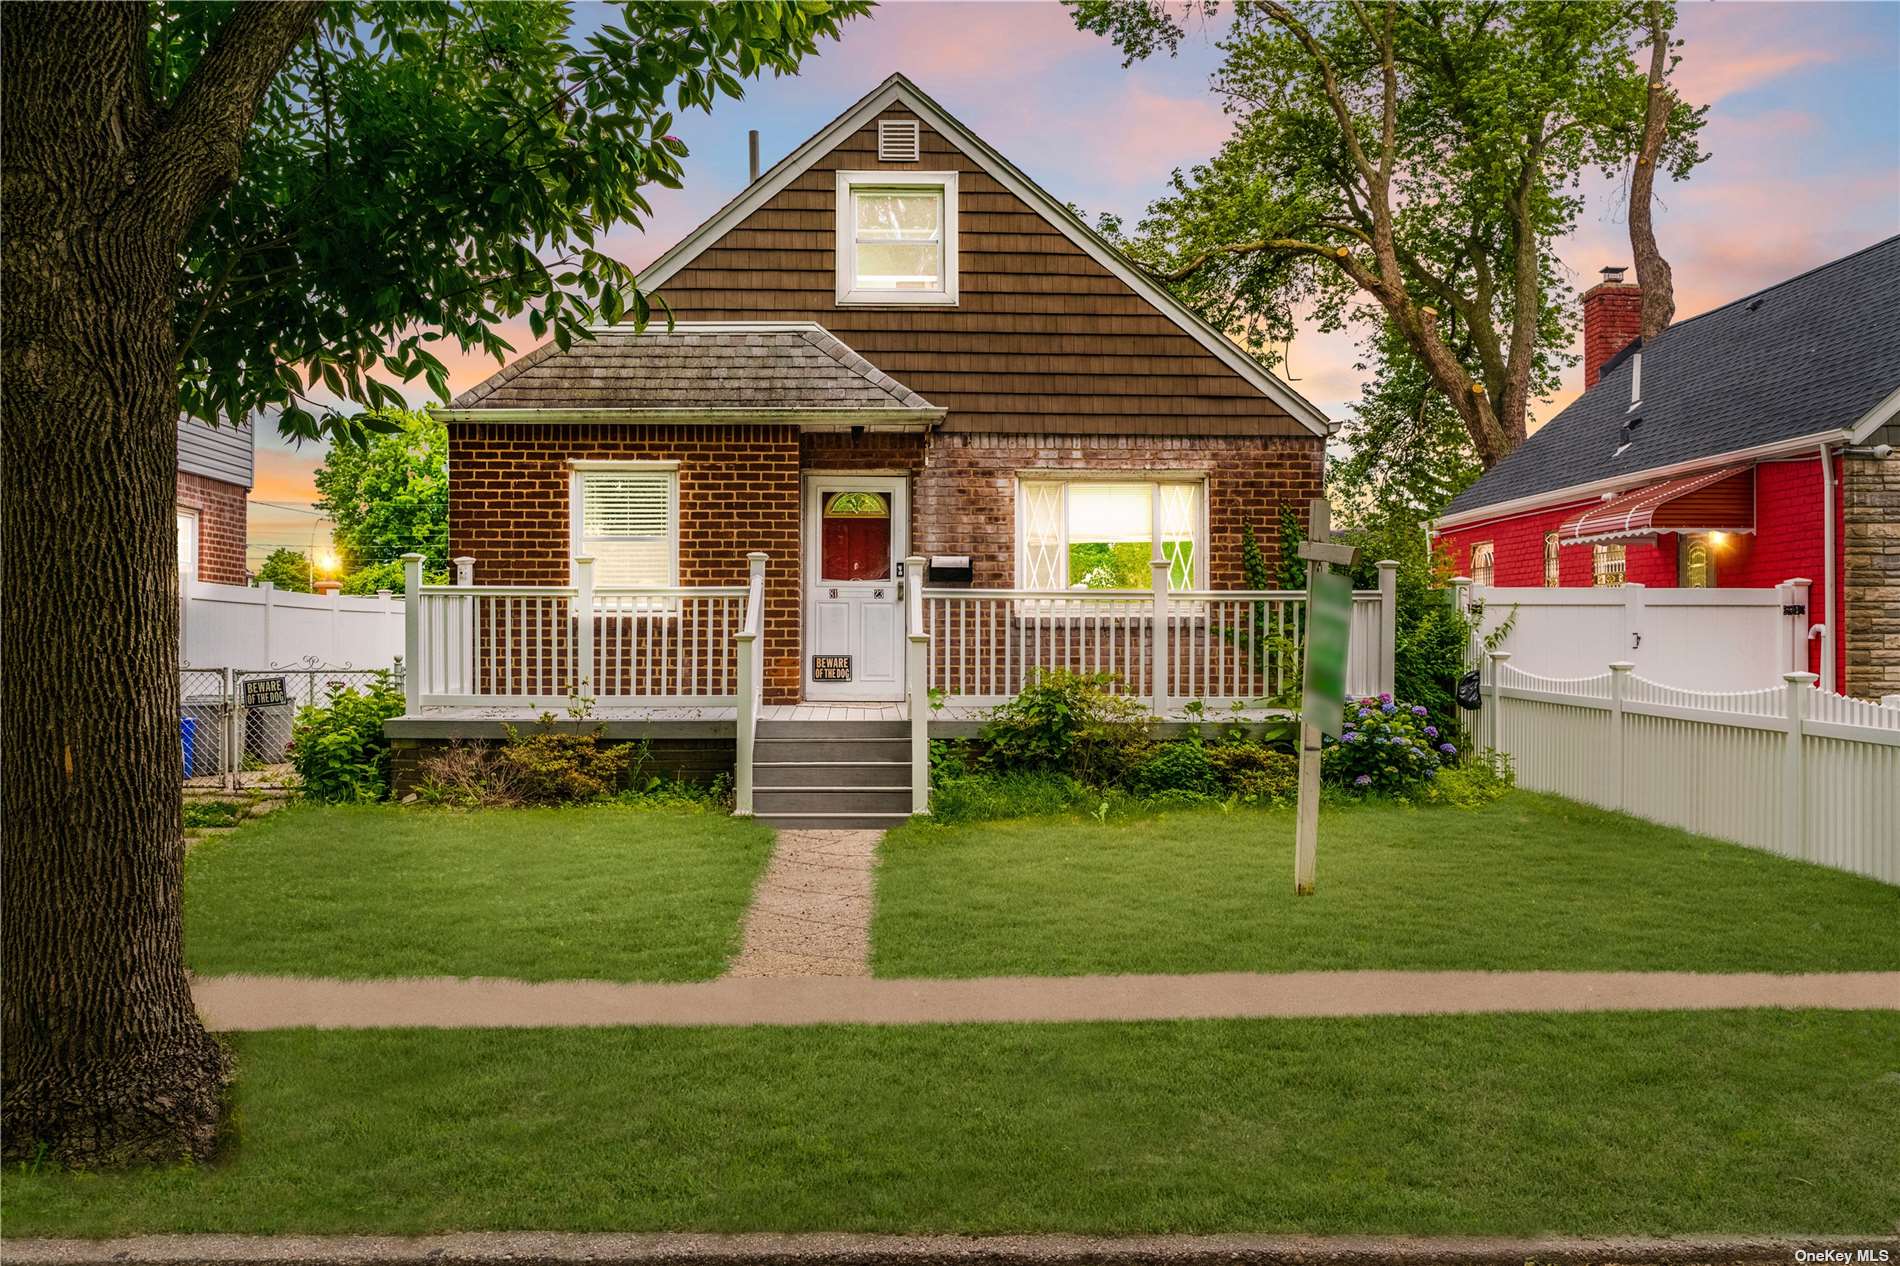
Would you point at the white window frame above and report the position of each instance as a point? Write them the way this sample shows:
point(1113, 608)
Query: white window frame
point(944, 184)
point(1156, 482)
point(577, 516)
point(1489, 567)
point(189, 514)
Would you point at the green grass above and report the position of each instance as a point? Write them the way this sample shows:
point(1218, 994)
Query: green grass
point(1641, 1124)
point(535, 894)
point(1531, 882)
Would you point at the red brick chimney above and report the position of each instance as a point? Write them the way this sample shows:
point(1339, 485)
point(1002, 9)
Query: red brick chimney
point(1612, 318)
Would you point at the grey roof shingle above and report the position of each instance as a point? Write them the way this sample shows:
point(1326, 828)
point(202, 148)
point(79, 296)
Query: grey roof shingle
point(1808, 355)
point(793, 366)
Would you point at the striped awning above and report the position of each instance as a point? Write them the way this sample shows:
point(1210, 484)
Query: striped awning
point(1670, 506)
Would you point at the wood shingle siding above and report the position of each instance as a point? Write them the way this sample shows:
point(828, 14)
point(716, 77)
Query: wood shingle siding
point(1043, 339)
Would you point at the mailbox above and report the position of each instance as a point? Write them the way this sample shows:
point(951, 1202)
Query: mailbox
point(950, 569)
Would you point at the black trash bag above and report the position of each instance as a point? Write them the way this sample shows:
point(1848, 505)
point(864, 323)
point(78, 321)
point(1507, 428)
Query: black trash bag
point(1470, 693)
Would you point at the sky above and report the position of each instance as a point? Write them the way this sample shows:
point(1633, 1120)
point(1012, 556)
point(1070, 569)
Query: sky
point(1803, 133)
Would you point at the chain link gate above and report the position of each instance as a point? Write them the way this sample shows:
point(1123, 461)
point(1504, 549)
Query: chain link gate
point(235, 724)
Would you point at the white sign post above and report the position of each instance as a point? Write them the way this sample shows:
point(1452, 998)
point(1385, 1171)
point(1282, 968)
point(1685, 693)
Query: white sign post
point(1323, 675)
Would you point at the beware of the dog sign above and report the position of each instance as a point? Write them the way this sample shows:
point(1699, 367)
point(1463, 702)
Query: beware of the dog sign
point(831, 668)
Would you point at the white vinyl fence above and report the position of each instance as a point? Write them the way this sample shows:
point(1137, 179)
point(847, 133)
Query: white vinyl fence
point(1789, 769)
point(266, 627)
point(1701, 639)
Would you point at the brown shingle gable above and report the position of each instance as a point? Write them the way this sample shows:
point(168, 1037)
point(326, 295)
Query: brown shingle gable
point(789, 366)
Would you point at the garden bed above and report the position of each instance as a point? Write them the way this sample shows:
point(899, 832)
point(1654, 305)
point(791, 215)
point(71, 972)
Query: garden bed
point(1530, 882)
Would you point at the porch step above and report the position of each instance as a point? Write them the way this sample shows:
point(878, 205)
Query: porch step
point(853, 750)
point(835, 821)
point(769, 802)
point(825, 773)
point(834, 729)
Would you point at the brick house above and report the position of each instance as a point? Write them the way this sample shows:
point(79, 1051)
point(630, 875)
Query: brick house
point(214, 485)
point(1740, 448)
point(892, 343)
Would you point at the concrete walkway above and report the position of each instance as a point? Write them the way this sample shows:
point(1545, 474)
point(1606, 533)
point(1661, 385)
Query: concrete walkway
point(811, 915)
point(264, 1002)
point(686, 1249)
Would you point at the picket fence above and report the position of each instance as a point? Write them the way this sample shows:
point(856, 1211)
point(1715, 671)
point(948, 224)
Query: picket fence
point(1792, 770)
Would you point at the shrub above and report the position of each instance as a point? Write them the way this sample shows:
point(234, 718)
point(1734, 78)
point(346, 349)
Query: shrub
point(549, 766)
point(669, 793)
point(1386, 746)
point(1069, 723)
point(339, 749)
point(1178, 767)
point(1478, 780)
point(466, 776)
point(1256, 773)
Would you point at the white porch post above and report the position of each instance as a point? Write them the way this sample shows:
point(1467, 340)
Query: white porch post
point(464, 571)
point(1498, 660)
point(1798, 687)
point(1388, 624)
point(412, 633)
point(462, 677)
point(1796, 660)
point(584, 620)
point(1619, 693)
point(751, 671)
point(1158, 643)
point(917, 688)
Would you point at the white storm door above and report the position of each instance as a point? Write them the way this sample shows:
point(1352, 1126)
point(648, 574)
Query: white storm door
point(854, 616)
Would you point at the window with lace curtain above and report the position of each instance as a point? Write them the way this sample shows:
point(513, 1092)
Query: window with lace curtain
point(1102, 534)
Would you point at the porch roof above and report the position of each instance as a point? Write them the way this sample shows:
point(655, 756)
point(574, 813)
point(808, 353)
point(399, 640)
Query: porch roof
point(1718, 500)
point(721, 369)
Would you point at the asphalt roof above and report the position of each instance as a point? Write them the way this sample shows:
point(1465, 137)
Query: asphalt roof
point(794, 365)
point(1811, 354)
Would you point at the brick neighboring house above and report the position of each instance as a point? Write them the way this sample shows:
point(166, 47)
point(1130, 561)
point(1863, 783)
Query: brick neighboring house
point(891, 343)
point(1740, 448)
point(214, 485)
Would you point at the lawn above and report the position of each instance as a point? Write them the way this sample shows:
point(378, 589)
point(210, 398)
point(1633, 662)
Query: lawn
point(1531, 882)
point(536, 894)
point(1732, 1122)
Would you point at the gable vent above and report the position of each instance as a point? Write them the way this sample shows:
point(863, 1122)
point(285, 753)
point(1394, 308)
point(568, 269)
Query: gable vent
point(898, 141)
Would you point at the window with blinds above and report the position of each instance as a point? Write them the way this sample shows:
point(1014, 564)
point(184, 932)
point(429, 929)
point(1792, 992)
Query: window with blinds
point(627, 521)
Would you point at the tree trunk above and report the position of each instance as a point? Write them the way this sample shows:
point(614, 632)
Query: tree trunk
point(106, 1061)
point(1653, 273)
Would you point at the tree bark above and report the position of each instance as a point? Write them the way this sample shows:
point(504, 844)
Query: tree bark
point(105, 1060)
point(1653, 273)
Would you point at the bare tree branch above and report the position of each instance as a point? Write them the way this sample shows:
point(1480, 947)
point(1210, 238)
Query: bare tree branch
point(1653, 273)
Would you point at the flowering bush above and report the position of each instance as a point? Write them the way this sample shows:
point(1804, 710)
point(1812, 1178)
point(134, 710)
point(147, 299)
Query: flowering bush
point(1385, 746)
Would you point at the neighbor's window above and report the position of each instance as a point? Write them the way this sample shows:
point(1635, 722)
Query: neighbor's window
point(897, 237)
point(1695, 562)
point(1553, 570)
point(626, 518)
point(1078, 534)
point(1608, 563)
point(1483, 567)
point(187, 544)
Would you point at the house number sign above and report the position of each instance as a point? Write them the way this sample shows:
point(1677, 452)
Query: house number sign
point(831, 668)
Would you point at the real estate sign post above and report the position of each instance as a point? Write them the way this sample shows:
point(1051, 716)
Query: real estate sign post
point(1323, 678)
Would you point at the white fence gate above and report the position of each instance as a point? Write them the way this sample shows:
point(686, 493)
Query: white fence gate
point(1701, 639)
point(276, 628)
point(1790, 769)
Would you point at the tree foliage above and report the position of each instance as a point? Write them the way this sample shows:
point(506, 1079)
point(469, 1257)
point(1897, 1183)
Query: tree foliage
point(420, 172)
point(389, 496)
point(286, 568)
point(1408, 165)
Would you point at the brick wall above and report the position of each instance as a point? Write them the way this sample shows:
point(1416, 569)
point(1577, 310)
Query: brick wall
point(223, 526)
point(1870, 504)
point(965, 497)
point(1612, 317)
point(508, 509)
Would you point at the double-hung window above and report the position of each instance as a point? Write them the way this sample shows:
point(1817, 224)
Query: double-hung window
point(1088, 534)
point(1483, 563)
point(625, 516)
point(897, 237)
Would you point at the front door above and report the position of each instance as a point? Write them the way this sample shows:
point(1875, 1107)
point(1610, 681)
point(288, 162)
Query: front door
point(854, 625)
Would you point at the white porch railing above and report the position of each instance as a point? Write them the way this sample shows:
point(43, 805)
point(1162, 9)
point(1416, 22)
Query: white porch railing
point(1167, 648)
point(1789, 769)
point(750, 653)
point(544, 646)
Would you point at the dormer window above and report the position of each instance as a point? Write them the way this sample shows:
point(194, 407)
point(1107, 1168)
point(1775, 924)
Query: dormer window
point(897, 237)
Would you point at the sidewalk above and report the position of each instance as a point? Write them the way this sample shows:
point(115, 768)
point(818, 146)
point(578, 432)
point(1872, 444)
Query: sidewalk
point(234, 1003)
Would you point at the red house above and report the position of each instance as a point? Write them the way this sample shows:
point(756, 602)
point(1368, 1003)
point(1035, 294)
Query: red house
point(1747, 446)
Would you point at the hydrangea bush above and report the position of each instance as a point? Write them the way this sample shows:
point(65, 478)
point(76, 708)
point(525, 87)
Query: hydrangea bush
point(1386, 746)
